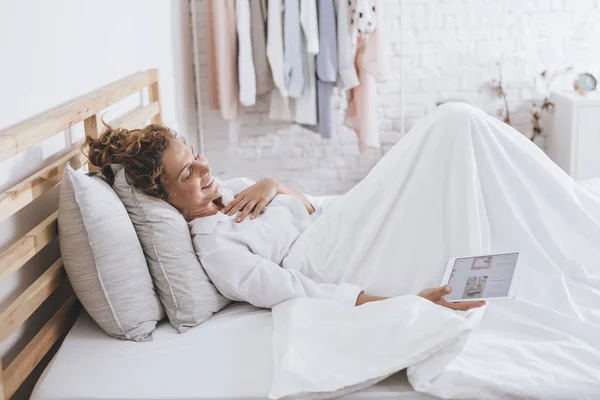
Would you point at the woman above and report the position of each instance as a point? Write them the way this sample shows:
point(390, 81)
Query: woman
point(459, 183)
point(243, 240)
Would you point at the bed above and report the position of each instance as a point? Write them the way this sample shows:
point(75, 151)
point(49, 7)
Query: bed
point(227, 357)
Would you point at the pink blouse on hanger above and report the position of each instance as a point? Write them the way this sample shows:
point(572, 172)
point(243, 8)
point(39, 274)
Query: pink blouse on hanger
point(223, 88)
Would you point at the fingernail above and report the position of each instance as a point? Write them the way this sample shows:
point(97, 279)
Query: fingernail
point(252, 217)
point(447, 288)
point(238, 220)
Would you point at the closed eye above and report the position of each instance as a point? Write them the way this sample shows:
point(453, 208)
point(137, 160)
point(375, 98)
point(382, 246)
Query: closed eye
point(190, 169)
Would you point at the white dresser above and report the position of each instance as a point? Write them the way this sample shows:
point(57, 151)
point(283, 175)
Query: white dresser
point(573, 141)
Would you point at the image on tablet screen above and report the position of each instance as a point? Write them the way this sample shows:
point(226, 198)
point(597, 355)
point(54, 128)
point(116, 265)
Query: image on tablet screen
point(482, 276)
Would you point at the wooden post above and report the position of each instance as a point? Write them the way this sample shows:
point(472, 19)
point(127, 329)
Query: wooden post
point(90, 127)
point(155, 97)
point(1, 383)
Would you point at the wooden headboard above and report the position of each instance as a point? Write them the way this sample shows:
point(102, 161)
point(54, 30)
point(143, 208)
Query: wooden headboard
point(16, 139)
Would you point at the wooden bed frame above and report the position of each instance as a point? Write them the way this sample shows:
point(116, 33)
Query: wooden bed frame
point(16, 139)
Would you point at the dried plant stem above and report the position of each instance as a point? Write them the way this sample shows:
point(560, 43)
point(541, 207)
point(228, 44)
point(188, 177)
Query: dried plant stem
point(505, 100)
point(502, 94)
point(498, 87)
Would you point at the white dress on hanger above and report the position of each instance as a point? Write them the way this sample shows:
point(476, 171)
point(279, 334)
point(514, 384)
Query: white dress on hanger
point(279, 108)
point(246, 73)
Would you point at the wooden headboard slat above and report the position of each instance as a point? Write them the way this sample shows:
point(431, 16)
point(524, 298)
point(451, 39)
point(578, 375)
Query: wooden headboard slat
point(1, 384)
point(25, 362)
point(28, 246)
point(29, 301)
point(155, 98)
point(37, 129)
point(16, 139)
point(137, 116)
point(91, 127)
point(18, 196)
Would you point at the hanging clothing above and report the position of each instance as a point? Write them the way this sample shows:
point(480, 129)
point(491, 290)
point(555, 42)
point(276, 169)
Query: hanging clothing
point(302, 110)
point(305, 108)
point(363, 16)
point(279, 107)
point(346, 36)
point(222, 58)
point(362, 100)
point(327, 67)
point(309, 20)
point(327, 58)
point(294, 65)
point(246, 73)
point(258, 36)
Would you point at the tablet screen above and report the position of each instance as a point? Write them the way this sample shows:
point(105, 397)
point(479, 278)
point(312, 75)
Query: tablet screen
point(482, 276)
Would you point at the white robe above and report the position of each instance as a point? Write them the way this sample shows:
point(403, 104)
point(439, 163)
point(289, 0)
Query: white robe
point(461, 182)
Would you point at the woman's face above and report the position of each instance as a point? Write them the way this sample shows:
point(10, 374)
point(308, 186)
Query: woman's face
point(190, 186)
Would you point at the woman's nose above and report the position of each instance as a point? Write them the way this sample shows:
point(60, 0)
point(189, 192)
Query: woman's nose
point(202, 165)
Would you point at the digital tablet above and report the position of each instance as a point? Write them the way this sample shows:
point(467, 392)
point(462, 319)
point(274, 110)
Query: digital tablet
point(483, 277)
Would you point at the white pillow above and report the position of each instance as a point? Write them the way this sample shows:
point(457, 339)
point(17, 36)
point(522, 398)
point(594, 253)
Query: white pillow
point(184, 289)
point(104, 260)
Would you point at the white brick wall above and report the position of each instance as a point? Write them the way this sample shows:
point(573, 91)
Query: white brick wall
point(449, 49)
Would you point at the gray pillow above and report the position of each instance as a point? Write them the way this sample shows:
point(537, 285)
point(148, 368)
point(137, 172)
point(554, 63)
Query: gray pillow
point(104, 260)
point(184, 289)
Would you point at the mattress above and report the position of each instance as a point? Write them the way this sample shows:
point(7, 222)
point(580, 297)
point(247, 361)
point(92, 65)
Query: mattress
point(227, 357)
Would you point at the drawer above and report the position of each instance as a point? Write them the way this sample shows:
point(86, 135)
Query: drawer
point(587, 147)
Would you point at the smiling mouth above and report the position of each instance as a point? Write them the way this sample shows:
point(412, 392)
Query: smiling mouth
point(209, 184)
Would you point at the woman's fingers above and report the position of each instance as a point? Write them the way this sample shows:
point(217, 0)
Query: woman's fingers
point(258, 208)
point(245, 211)
point(473, 304)
point(230, 205)
point(435, 294)
point(236, 198)
point(236, 205)
point(461, 306)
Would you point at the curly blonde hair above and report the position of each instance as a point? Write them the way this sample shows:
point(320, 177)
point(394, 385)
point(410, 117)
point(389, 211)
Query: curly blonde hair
point(139, 151)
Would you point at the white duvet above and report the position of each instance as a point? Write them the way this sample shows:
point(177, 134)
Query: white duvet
point(459, 183)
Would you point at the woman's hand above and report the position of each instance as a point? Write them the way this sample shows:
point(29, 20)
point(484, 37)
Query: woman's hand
point(436, 295)
point(253, 199)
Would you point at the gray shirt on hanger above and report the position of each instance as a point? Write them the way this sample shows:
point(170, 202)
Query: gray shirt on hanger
point(294, 64)
point(327, 67)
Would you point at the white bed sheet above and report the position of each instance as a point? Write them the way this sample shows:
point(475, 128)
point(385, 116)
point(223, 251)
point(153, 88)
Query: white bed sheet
point(228, 357)
point(593, 185)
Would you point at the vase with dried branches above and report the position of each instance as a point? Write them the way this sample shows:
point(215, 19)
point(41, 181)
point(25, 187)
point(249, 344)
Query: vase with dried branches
point(539, 109)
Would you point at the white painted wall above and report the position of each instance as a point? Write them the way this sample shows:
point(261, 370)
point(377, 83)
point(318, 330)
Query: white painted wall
point(449, 49)
point(54, 51)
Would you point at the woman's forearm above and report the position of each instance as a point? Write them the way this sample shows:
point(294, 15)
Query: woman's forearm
point(291, 192)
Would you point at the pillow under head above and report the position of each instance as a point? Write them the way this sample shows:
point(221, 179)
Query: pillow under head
point(184, 289)
point(104, 260)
